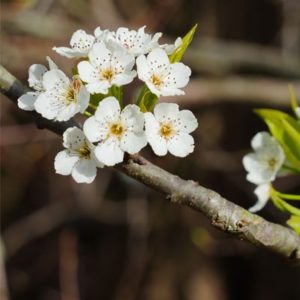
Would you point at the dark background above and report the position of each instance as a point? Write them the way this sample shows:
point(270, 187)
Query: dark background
point(116, 239)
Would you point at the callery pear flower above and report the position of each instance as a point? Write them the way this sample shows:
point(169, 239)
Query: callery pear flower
point(106, 68)
point(262, 192)
point(161, 77)
point(134, 42)
point(115, 132)
point(78, 159)
point(170, 48)
point(168, 129)
point(263, 165)
point(63, 97)
point(35, 80)
point(80, 43)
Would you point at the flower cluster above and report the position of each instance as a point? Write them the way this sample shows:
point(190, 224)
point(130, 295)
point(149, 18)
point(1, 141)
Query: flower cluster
point(105, 62)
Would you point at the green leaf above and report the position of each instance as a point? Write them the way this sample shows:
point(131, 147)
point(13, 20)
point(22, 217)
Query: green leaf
point(286, 130)
point(294, 222)
point(177, 55)
point(117, 92)
point(96, 98)
point(293, 97)
point(114, 91)
point(287, 196)
point(284, 206)
point(146, 99)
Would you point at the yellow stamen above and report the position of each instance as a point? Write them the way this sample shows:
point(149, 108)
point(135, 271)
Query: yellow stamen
point(107, 74)
point(156, 80)
point(166, 130)
point(116, 129)
point(84, 152)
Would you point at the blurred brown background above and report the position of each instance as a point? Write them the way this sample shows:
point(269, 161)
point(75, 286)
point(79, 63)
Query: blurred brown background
point(116, 239)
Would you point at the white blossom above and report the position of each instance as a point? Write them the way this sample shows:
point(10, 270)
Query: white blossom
point(268, 157)
point(262, 192)
point(170, 48)
point(135, 42)
point(80, 43)
point(35, 81)
point(63, 98)
point(161, 77)
point(106, 68)
point(78, 159)
point(116, 132)
point(168, 129)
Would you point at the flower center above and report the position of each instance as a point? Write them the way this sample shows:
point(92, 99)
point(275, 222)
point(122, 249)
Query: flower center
point(70, 95)
point(166, 131)
point(73, 90)
point(107, 74)
point(156, 80)
point(272, 162)
point(116, 129)
point(84, 152)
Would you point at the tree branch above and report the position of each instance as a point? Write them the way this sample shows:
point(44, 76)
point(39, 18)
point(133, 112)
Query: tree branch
point(222, 213)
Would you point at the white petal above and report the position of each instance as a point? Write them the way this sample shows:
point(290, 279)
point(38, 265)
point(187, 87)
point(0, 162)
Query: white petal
point(51, 63)
point(157, 143)
point(261, 177)
point(84, 171)
point(64, 162)
point(83, 98)
point(98, 32)
point(186, 121)
point(251, 162)
point(108, 109)
point(122, 79)
point(100, 54)
point(179, 75)
point(181, 145)
point(95, 130)
point(98, 87)
point(67, 52)
point(258, 169)
point(27, 101)
point(261, 140)
point(45, 105)
point(35, 76)
point(142, 68)
point(54, 78)
point(170, 91)
point(66, 112)
point(73, 138)
point(158, 57)
point(86, 71)
point(124, 59)
point(133, 142)
point(109, 152)
point(133, 118)
point(166, 111)
point(81, 41)
point(263, 194)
